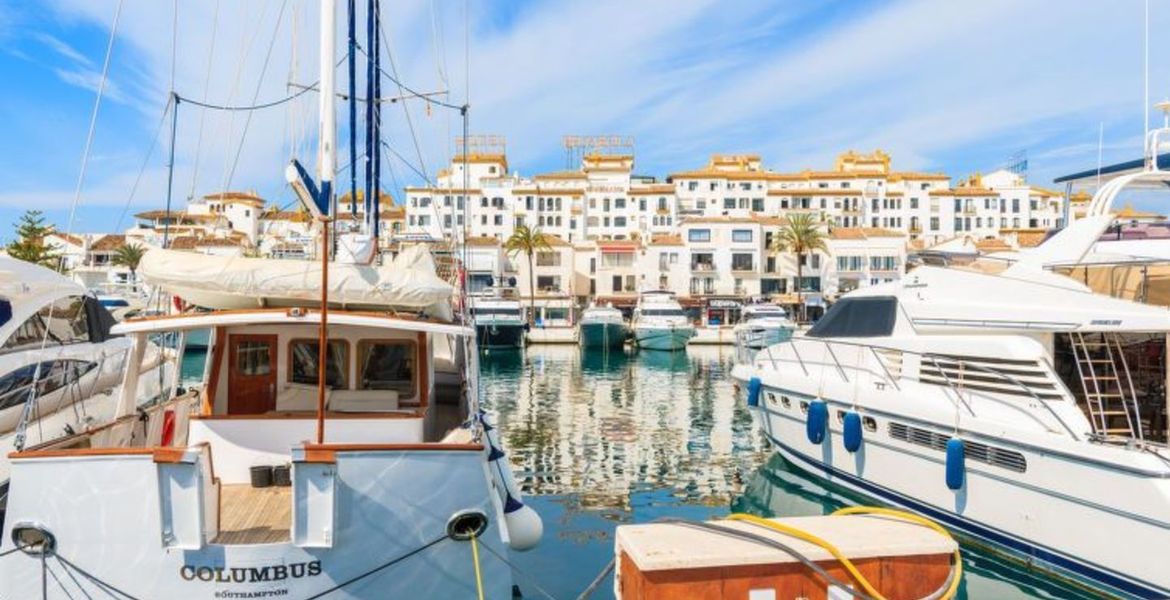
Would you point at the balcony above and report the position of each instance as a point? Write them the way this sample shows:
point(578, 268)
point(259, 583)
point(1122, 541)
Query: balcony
point(702, 267)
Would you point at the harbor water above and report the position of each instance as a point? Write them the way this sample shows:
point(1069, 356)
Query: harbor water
point(598, 440)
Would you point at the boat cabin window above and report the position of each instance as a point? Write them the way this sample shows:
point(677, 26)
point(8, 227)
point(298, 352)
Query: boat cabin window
point(54, 375)
point(253, 358)
point(870, 316)
point(303, 366)
point(66, 321)
point(387, 365)
point(663, 312)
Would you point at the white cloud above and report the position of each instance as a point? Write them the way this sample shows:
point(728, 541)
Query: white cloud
point(924, 79)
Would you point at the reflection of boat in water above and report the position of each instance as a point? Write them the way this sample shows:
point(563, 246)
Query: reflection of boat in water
point(604, 362)
point(665, 361)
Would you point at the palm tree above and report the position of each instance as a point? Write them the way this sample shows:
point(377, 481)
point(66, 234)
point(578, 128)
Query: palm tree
point(129, 256)
point(800, 234)
point(529, 242)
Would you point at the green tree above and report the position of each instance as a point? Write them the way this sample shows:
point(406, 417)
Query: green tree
point(29, 244)
point(529, 242)
point(129, 256)
point(800, 234)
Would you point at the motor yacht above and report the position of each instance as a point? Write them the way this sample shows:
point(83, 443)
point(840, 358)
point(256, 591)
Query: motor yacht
point(499, 321)
point(762, 325)
point(660, 323)
point(58, 360)
point(1018, 408)
point(602, 326)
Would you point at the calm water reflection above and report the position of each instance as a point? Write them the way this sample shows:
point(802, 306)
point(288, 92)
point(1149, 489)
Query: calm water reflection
point(603, 439)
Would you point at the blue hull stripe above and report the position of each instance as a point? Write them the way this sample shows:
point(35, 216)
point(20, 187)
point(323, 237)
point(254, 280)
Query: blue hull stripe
point(1095, 573)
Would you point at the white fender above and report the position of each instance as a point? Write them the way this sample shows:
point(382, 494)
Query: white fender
point(524, 525)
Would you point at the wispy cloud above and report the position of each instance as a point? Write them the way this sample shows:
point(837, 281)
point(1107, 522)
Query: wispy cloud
point(954, 86)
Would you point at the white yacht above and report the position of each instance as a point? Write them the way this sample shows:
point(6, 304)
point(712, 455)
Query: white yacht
point(499, 321)
point(762, 325)
point(1019, 408)
point(602, 326)
point(660, 323)
point(58, 360)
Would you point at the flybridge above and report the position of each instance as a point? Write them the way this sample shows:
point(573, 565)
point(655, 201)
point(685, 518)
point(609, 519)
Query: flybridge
point(1161, 161)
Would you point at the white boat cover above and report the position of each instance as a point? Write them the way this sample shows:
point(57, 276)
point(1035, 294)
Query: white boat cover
point(408, 283)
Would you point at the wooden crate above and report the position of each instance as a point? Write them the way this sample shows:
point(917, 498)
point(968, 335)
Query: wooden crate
point(661, 560)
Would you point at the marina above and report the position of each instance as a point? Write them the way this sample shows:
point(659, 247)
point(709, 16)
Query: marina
point(380, 353)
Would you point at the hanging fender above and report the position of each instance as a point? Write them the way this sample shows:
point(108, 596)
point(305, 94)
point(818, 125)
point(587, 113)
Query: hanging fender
point(522, 523)
point(753, 397)
point(818, 421)
point(852, 434)
point(956, 470)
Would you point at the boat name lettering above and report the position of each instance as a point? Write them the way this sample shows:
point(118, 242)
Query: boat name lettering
point(250, 574)
point(1105, 322)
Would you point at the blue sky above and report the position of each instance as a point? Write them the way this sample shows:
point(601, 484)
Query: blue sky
point(956, 86)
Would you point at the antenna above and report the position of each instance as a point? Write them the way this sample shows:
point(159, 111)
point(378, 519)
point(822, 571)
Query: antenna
point(1017, 163)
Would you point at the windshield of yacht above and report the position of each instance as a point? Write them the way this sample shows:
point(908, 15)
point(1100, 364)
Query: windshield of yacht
point(663, 312)
point(499, 312)
point(871, 316)
point(767, 313)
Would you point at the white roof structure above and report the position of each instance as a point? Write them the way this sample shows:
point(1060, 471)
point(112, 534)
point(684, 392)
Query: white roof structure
point(293, 316)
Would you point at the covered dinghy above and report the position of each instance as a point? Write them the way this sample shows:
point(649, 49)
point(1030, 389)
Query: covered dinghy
point(408, 283)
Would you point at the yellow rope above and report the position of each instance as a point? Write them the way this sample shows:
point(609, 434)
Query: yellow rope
point(848, 564)
point(475, 561)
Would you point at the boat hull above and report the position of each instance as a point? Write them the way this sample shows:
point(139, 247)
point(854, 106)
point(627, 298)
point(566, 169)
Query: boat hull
point(1014, 515)
point(386, 535)
point(496, 335)
point(663, 338)
point(603, 335)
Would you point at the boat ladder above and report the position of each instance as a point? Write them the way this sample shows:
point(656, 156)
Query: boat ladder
point(1107, 385)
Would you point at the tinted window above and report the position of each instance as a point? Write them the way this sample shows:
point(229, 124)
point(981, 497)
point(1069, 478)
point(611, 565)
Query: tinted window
point(506, 312)
point(663, 312)
point(66, 321)
point(304, 368)
point(858, 317)
point(387, 366)
point(15, 386)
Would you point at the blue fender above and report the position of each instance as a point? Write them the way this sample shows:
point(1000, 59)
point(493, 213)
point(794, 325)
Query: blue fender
point(754, 386)
point(852, 431)
point(956, 471)
point(818, 420)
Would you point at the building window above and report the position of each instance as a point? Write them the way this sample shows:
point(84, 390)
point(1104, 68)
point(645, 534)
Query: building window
point(548, 283)
point(728, 203)
point(699, 235)
point(757, 205)
point(741, 235)
point(548, 259)
point(742, 262)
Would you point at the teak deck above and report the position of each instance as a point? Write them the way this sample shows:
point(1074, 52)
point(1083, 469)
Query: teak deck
point(249, 515)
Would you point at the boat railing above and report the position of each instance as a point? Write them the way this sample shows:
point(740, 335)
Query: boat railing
point(960, 394)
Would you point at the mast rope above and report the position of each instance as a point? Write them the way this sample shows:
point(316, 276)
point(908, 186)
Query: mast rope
point(255, 95)
point(206, 90)
point(31, 403)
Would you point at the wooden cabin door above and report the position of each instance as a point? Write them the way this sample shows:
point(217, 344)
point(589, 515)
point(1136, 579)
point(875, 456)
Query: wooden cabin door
point(251, 374)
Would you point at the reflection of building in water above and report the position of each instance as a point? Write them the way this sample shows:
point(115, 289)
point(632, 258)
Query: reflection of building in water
point(601, 426)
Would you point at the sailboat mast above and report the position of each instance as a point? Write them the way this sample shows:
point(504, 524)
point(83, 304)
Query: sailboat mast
point(352, 102)
point(326, 167)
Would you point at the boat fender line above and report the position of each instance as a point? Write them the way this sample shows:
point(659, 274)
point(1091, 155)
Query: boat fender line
point(956, 456)
point(852, 434)
point(753, 397)
point(818, 420)
point(523, 524)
